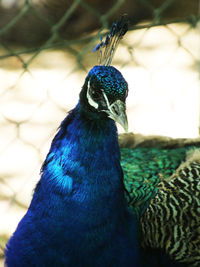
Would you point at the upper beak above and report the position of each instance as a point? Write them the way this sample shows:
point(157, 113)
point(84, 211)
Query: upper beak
point(117, 112)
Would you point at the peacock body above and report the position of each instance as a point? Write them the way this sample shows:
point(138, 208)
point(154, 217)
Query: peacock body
point(171, 222)
point(163, 187)
point(145, 167)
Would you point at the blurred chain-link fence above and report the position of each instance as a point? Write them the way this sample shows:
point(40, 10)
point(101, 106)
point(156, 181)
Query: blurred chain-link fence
point(45, 52)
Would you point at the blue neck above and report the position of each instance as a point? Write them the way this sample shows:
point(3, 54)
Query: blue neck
point(83, 164)
point(78, 209)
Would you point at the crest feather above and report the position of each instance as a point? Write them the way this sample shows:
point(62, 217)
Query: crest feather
point(107, 49)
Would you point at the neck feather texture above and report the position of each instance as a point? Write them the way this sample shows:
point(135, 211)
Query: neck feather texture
point(78, 215)
point(83, 165)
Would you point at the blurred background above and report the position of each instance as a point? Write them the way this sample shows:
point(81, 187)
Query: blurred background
point(46, 52)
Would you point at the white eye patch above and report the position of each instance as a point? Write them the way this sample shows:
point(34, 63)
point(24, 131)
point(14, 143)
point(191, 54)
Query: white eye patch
point(90, 100)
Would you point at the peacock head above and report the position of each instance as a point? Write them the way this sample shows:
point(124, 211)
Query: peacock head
point(106, 93)
point(105, 89)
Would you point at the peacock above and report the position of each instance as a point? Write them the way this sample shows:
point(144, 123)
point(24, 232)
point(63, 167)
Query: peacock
point(88, 209)
point(79, 215)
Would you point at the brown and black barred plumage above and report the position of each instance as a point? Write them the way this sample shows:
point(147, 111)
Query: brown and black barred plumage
point(172, 220)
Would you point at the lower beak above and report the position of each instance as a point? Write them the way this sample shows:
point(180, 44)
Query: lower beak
point(117, 112)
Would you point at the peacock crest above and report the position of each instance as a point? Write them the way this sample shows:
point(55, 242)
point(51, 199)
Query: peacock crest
point(108, 47)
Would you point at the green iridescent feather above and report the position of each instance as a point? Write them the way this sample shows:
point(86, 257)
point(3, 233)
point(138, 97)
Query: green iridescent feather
point(144, 167)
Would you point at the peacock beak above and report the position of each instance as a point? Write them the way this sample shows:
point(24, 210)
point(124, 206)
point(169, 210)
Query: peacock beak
point(117, 112)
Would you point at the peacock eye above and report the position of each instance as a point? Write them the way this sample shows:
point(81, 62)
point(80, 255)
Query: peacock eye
point(95, 94)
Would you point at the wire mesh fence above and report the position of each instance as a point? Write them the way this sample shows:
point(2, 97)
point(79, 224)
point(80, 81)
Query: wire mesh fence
point(45, 52)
